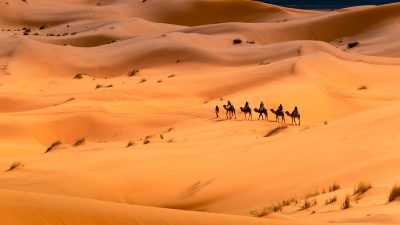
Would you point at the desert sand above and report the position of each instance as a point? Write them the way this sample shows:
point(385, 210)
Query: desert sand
point(113, 72)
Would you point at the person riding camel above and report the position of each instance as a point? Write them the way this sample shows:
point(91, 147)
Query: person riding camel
point(217, 111)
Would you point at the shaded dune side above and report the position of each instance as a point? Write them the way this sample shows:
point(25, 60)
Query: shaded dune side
point(327, 27)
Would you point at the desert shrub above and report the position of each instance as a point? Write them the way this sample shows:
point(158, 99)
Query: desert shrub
point(237, 41)
point(363, 87)
point(361, 188)
point(275, 131)
point(133, 72)
point(142, 80)
point(171, 76)
point(334, 187)
point(14, 165)
point(79, 76)
point(53, 145)
point(331, 200)
point(78, 142)
point(346, 203)
point(394, 193)
point(352, 44)
point(130, 143)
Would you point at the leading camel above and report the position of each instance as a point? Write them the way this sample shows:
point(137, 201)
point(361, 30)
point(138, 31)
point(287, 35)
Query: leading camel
point(294, 115)
point(263, 112)
point(278, 114)
point(230, 111)
point(246, 110)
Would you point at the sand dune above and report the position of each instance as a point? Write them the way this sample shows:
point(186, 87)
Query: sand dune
point(137, 83)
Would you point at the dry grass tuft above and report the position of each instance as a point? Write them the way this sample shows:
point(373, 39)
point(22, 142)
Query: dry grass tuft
point(133, 72)
point(14, 166)
point(346, 203)
point(361, 188)
point(53, 145)
point(331, 200)
point(79, 142)
point(334, 187)
point(275, 131)
point(394, 193)
point(130, 143)
point(363, 87)
point(308, 204)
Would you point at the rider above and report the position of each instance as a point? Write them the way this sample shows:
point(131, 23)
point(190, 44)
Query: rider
point(216, 111)
point(229, 104)
point(280, 108)
point(295, 111)
point(262, 108)
point(246, 106)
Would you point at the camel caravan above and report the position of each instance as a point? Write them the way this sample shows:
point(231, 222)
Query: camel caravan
point(262, 112)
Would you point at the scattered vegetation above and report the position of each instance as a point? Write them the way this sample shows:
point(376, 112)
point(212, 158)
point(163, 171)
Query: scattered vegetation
point(142, 80)
point(170, 140)
point(352, 44)
point(334, 187)
point(361, 188)
point(250, 42)
point(79, 142)
point(325, 122)
point(133, 72)
point(331, 200)
point(237, 41)
point(99, 86)
point(363, 87)
point(346, 203)
point(275, 131)
point(264, 63)
point(265, 211)
point(171, 76)
point(14, 166)
point(394, 193)
point(53, 145)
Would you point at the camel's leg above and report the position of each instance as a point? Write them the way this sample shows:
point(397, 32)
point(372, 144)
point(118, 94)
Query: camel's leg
point(299, 121)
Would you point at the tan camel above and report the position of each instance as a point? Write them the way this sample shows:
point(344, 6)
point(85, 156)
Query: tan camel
point(294, 115)
point(230, 111)
point(262, 113)
point(278, 114)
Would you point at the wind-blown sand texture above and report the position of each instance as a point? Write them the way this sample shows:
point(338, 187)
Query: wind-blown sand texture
point(81, 79)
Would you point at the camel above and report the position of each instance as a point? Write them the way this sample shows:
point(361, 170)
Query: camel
point(246, 110)
point(262, 113)
point(294, 115)
point(278, 114)
point(230, 111)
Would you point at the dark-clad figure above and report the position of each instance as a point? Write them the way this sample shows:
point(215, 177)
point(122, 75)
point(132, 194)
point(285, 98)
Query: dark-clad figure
point(217, 111)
